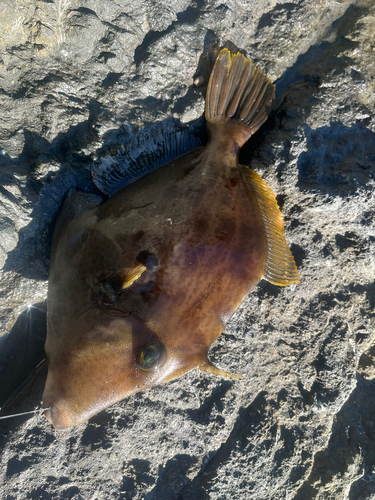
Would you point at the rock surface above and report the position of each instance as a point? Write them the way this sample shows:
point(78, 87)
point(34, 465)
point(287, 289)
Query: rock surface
point(78, 77)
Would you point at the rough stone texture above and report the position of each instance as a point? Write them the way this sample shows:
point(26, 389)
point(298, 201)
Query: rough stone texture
point(79, 77)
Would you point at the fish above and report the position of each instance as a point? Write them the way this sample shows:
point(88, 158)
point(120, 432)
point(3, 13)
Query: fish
point(142, 283)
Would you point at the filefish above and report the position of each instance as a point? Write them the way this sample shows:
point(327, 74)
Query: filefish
point(142, 284)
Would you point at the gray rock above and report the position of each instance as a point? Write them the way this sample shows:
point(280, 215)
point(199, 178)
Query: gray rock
point(79, 78)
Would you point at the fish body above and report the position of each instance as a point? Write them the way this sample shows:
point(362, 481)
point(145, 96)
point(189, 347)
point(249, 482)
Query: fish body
point(142, 284)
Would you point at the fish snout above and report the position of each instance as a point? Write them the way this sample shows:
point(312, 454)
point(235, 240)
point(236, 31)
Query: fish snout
point(57, 412)
point(56, 416)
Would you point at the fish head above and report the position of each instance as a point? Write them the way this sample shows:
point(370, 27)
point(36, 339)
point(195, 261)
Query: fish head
point(99, 360)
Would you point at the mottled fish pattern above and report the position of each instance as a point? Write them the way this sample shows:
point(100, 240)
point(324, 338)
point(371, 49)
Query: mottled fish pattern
point(143, 283)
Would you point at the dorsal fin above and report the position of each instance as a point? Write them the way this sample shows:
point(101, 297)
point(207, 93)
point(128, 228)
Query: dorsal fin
point(145, 153)
point(281, 268)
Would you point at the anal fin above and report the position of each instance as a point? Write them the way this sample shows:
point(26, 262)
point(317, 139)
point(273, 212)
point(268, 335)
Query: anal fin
point(281, 268)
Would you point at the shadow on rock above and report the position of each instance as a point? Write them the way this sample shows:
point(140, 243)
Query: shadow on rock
point(44, 188)
point(339, 159)
point(22, 350)
point(349, 453)
point(172, 477)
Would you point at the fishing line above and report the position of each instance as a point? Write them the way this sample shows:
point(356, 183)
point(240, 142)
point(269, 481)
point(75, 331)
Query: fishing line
point(23, 413)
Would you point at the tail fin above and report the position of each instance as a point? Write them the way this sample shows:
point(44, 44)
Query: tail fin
point(238, 90)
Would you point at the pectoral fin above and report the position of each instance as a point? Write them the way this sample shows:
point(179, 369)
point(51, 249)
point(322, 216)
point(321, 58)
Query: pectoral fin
point(124, 278)
point(210, 368)
point(281, 268)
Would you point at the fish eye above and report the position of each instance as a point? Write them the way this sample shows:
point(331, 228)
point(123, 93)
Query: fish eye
point(152, 356)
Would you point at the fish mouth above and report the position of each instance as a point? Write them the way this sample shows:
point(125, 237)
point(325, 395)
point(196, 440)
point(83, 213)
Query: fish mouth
point(58, 413)
point(62, 416)
point(59, 419)
point(62, 413)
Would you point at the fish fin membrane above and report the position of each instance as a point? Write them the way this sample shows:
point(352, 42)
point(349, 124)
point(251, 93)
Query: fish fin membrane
point(144, 154)
point(125, 277)
point(210, 368)
point(281, 268)
point(238, 90)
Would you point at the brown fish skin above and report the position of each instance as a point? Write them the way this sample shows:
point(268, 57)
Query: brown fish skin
point(165, 261)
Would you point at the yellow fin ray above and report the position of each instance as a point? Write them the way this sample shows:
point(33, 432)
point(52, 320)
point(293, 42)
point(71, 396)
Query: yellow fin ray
point(210, 368)
point(281, 268)
point(132, 274)
point(126, 277)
